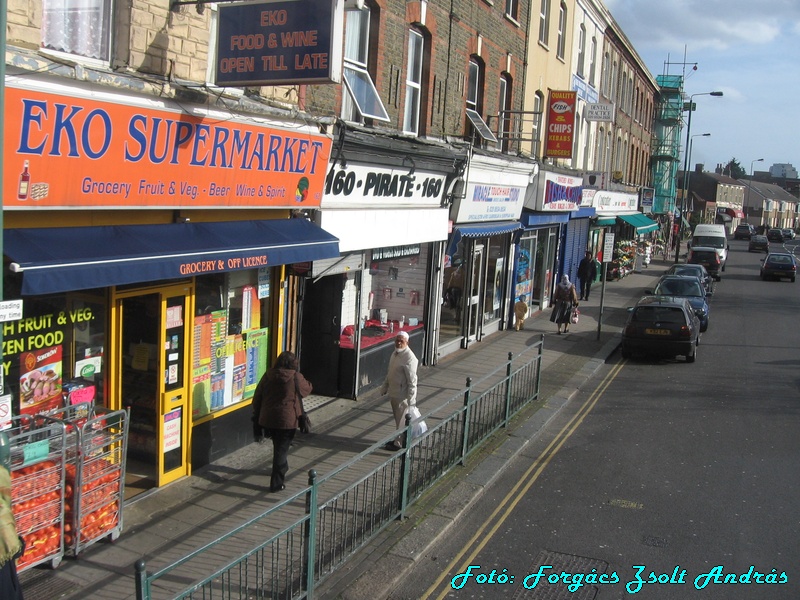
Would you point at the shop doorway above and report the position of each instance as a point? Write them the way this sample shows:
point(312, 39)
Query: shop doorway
point(321, 331)
point(474, 300)
point(151, 365)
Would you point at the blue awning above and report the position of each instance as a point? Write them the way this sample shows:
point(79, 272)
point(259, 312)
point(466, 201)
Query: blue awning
point(61, 259)
point(642, 223)
point(480, 230)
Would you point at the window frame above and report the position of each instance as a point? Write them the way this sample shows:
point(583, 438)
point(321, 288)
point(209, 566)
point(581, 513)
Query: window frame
point(544, 22)
point(414, 88)
point(512, 10)
point(581, 51)
point(107, 21)
point(562, 33)
point(355, 72)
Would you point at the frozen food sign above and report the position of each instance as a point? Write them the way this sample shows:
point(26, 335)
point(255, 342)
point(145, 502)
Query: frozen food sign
point(73, 152)
point(268, 43)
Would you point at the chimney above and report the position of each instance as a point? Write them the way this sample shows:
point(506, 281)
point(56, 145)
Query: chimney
point(698, 168)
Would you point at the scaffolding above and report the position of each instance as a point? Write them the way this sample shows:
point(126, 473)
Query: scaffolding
point(665, 146)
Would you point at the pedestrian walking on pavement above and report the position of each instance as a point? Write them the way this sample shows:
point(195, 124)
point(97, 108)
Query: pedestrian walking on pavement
point(277, 406)
point(520, 312)
point(11, 546)
point(565, 300)
point(401, 383)
point(587, 273)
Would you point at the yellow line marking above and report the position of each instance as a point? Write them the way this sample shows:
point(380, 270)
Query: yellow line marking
point(517, 493)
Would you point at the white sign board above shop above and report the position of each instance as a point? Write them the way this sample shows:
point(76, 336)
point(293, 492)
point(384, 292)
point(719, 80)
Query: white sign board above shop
point(600, 112)
point(371, 186)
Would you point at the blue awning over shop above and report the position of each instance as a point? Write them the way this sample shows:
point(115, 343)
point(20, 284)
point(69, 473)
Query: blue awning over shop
point(543, 219)
point(480, 230)
point(61, 259)
point(642, 223)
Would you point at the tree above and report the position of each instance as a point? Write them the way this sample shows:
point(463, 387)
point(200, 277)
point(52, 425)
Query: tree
point(734, 169)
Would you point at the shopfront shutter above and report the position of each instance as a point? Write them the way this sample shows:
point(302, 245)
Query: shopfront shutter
point(575, 240)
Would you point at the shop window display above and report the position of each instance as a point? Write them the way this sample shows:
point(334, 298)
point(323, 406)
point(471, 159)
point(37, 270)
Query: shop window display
point(55, 353)
point(231, 339)
point(393, 296)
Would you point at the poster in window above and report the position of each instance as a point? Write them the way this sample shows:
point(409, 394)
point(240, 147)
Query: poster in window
point(172, 430)
point(40, 380)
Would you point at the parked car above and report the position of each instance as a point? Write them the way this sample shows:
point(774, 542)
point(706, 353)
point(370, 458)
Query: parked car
point(662, 326)
point(788, 233)
point(698, 271)
point(775, 235)
point(689, 287)
point(743, 231)
point(707, 257)
point(778, 265)
point(758, 243)
point(707, 235)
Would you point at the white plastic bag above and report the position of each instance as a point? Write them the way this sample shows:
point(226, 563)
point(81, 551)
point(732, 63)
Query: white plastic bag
point(420, 427)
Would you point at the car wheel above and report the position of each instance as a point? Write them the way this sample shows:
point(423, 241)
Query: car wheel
point(792, 280)
point(690, 358)
point(703, 328)
point(626, 354)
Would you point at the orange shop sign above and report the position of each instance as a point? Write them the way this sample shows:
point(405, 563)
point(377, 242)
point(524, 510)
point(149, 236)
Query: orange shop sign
point(73, 152)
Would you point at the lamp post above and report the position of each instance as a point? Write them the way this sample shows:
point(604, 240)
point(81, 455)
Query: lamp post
point(686, 168)
point(750, 188)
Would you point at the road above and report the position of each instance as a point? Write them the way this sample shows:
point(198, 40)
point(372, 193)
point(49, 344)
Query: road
point(690, 472)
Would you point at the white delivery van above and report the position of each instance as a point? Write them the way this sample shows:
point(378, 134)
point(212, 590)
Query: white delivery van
point(711, 236)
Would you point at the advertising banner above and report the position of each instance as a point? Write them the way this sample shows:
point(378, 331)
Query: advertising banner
point(70, 151)
point(560, 124)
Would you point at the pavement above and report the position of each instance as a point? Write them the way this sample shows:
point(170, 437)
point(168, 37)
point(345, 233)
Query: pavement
point(171, 522)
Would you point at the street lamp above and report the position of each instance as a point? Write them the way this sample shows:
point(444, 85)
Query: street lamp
point(686, 168)
point(750, 187)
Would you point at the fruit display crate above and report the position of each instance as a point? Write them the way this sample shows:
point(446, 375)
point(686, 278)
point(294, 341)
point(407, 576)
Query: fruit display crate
point(38, 489)
point(96, 447)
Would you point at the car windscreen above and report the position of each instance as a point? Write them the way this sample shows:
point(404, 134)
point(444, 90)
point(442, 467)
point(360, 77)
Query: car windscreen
point(710, 241)
point(658, 314)
point(780, 260)
point(676, 287)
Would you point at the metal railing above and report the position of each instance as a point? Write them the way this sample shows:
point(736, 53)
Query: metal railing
point(295, 545)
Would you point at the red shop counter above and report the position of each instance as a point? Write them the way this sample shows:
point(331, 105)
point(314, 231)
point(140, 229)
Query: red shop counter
point(376, 348)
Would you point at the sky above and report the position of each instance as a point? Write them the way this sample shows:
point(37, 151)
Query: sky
point(748, 50)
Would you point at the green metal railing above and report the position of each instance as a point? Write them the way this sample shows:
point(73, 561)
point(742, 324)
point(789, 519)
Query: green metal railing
point(289, 561)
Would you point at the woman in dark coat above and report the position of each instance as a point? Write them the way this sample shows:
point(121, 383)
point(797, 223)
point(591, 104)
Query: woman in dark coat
point(277, 406)
point(565, 300)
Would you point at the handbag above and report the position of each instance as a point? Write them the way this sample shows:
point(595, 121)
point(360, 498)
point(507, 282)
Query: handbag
point(575, 315)
point(303, 420)
point(419, 426)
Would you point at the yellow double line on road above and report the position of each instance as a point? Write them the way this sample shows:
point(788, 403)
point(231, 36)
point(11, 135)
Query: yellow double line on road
point(506, 507)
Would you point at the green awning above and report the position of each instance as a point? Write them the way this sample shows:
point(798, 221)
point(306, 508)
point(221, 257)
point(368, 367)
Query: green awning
point(642, 223)
point(605, 221)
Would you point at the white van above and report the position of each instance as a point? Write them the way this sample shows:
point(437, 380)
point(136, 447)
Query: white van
point(712, 236)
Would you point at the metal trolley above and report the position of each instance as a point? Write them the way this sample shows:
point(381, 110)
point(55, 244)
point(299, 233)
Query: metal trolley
point(38, 489)
point(96, 447)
